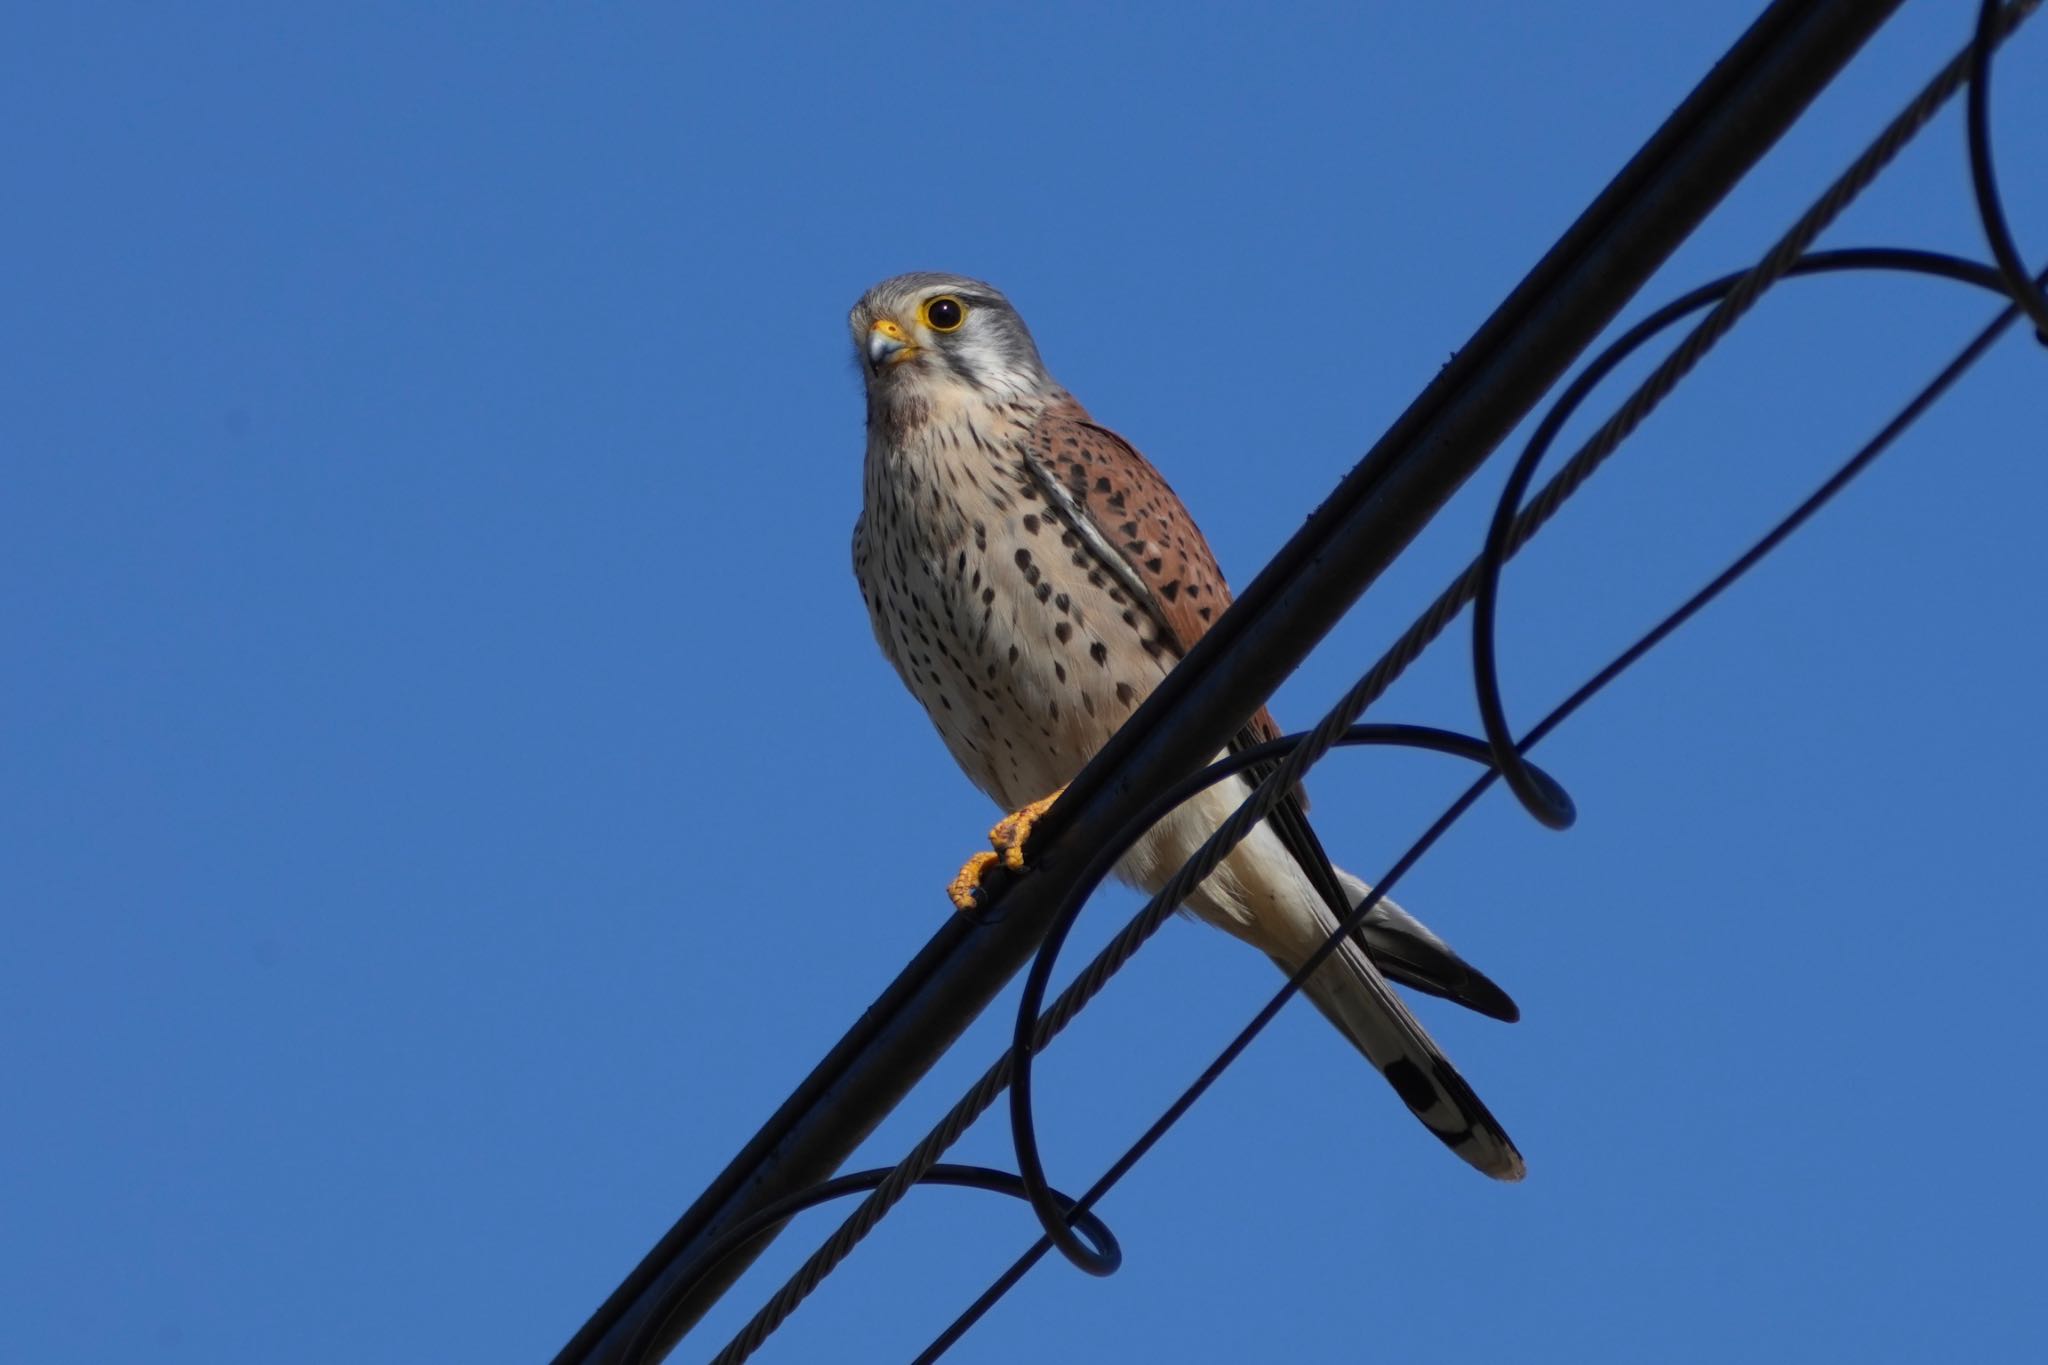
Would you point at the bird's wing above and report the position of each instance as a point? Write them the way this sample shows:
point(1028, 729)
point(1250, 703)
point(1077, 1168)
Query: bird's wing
point(1138, 530)
point(1135, 527)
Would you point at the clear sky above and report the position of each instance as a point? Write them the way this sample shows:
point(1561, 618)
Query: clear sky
point(449, 794)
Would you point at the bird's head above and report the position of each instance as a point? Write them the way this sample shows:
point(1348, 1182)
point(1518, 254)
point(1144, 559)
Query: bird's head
point(935, 337)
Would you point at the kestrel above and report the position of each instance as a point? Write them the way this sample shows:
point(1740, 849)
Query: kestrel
point(1032, 578)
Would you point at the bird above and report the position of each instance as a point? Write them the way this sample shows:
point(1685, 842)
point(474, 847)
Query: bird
point(1031, 577)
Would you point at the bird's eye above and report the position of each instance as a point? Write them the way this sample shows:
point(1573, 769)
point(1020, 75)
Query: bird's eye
point(944, 313)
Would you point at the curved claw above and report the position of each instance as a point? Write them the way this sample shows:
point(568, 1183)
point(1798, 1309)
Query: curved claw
point(965, 889)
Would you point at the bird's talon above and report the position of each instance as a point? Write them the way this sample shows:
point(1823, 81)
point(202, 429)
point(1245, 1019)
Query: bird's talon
point(1013, 829)
point(1008, 838)
point(965, 891)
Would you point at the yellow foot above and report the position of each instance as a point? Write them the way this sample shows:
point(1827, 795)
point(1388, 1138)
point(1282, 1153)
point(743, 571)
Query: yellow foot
point(1013, 829)
point(1008, 837)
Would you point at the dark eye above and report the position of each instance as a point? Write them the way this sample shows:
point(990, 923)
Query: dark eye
point(944, 313)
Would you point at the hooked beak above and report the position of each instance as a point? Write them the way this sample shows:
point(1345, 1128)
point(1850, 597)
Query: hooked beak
point(889, 344)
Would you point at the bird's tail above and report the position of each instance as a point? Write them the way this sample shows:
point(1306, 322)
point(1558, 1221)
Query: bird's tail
point(1353, 995)
point(1405, 951)
point(1261, 895)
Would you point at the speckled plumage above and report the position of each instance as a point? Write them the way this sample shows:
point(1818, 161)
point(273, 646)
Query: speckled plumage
point(1032, 578)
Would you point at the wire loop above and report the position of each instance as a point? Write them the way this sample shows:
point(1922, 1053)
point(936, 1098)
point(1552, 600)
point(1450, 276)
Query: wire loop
point(1983, 183)
point(1053, 1214)
point(1544, 800)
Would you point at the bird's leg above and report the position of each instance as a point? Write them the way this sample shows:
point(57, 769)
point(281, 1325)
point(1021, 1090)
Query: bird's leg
point(1008, 837)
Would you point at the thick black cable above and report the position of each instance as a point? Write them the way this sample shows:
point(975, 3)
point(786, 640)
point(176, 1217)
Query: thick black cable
point(1326, 734)
point(1933, 390)
point(782, 1210)
point(1754, 92)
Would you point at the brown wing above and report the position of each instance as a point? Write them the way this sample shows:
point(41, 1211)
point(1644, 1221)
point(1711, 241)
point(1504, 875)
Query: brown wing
point(1143, 537)
point(1136, 525)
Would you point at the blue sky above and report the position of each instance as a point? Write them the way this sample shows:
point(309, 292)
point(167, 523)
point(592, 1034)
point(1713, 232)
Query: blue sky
point(451, 795)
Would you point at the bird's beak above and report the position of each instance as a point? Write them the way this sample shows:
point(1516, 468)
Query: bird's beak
point(889, 344)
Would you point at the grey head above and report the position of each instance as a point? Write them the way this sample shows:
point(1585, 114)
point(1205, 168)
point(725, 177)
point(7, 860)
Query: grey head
point(922, 335)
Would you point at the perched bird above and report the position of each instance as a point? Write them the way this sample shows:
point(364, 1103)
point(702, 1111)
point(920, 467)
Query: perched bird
point(1032, 578)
